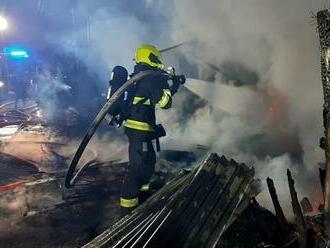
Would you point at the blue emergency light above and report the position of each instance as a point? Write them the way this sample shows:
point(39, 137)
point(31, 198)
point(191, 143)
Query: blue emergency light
point(16, 53)
point(19, 53)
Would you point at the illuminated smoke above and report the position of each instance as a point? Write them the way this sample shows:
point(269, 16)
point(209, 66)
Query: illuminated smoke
point(269, 49)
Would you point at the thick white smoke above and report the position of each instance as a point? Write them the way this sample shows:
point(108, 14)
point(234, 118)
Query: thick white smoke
point(279, 115)
point(278, 41)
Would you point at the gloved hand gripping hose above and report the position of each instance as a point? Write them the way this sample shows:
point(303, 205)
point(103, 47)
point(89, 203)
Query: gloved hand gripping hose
point(177, 81)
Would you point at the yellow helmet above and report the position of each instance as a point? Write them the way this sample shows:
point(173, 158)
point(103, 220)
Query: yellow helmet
point(150, 55)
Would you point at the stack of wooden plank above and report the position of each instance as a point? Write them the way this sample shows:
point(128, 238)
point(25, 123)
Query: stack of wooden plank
point(192, 210)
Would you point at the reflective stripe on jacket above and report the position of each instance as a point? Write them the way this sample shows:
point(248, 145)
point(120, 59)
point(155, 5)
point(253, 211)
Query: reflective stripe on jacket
point(152, 91)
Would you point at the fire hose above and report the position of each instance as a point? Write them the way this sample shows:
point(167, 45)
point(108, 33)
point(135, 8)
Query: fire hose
point(70, 177)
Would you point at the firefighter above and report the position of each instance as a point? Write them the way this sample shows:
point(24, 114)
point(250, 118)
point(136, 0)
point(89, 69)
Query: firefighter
point(140, 126)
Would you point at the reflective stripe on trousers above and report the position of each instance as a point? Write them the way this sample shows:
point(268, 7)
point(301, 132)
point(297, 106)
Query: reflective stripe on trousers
point(129, 203)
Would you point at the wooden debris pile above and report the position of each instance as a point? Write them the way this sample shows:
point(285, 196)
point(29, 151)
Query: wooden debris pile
point(194, 209)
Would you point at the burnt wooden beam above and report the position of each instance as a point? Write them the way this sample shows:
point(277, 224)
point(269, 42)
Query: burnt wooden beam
point(299, 217)
point(277, 206)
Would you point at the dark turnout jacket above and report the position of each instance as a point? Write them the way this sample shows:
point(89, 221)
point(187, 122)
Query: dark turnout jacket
point(151, 92)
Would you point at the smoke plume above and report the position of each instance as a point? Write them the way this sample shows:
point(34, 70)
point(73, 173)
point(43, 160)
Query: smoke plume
point(278, 42)
point(263, 104)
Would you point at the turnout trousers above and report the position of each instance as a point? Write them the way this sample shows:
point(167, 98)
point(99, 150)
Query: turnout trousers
point(142, 160)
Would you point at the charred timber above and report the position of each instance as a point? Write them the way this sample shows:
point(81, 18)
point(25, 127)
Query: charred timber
point(194, 209)
point(277, 206)
point(299, 217)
